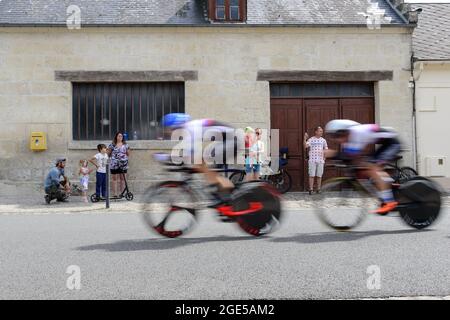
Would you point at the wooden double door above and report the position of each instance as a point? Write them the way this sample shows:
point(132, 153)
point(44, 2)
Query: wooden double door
point(295, 116)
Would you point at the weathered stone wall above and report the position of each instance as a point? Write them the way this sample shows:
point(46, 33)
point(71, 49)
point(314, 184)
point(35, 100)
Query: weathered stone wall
point(227, 61)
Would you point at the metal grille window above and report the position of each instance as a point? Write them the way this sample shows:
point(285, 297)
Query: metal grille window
point(321, 90)
point(99, 110)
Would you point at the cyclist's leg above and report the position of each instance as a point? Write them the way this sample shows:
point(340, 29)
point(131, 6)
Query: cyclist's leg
point(214, 178)
point(386, 153)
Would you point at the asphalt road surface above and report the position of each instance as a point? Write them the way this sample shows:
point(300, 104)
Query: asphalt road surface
point(118, 258)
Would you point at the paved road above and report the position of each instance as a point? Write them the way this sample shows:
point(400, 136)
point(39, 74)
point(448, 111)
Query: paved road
point(119, 258)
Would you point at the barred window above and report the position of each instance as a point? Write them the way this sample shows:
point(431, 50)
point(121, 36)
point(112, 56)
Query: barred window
point(99, 110)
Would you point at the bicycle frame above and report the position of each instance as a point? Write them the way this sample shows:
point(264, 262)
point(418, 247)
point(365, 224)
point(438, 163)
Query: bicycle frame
point(199, 193)
point(367, 186)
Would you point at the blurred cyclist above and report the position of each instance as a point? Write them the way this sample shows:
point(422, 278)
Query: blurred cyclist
point(357, 141)
point(196, 129)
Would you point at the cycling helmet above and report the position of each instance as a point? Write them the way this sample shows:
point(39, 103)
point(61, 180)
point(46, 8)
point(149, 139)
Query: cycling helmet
point(173, 120)
point(336, 126)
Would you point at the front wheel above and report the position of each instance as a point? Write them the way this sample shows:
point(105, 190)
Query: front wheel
point(169, 209)
point(129, 196)
point(343, 204)
point(94, 198)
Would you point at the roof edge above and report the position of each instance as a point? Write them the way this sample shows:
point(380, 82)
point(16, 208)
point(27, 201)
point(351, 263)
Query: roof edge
point(55, 25)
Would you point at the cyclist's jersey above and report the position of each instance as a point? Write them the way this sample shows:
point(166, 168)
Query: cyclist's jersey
point(201, 125)
point(201, 132)
point(366, 134)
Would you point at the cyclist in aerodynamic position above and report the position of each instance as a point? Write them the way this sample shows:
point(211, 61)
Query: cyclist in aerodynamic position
point(195, 129)
point(356, 142)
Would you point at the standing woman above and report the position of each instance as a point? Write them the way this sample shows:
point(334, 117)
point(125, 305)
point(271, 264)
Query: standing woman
point(119, 151)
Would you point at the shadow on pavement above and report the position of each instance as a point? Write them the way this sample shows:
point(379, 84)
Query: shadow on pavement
point(342, 236)
point(165, 244)
point(161, 243)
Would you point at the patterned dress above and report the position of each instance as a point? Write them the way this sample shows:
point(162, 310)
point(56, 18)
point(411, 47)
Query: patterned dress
point(119, 158)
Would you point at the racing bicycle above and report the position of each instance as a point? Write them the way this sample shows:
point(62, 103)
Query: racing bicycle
point(281, 180)
point(345, 201)
point(171, 207)
point(399, 174)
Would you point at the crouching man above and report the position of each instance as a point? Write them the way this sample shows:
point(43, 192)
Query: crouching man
point(56, 184)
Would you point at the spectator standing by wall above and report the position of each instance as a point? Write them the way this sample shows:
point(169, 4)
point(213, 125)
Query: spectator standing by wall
point(100, 160)
point(255, 157)
point(119, 152)
point(316, 162)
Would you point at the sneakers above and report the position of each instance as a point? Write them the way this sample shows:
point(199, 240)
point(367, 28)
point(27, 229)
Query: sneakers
point(386, 207)
point(47, 199)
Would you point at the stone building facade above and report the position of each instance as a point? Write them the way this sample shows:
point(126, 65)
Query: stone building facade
point(227, 71)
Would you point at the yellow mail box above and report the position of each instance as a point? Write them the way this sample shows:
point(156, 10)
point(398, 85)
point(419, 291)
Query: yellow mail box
point(38, 141)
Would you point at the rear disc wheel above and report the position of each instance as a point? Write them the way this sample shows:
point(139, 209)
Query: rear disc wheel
point(263, 221)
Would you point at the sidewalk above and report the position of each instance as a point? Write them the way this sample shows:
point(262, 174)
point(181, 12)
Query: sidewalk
point(37, 205)
point(31, 202)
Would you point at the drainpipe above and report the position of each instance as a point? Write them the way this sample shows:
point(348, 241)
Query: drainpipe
point(414, 114)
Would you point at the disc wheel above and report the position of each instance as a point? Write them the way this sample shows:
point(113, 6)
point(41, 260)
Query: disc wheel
point(406, 173)
point(263, 221)
point(419, 213)
point(343, 204)
point(169, 209)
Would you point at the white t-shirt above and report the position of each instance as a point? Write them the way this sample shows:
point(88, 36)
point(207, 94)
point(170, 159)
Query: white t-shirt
point(316, 147)
point(102, 159)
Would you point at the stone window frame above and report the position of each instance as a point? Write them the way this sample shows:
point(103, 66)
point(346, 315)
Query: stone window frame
point(121, 76)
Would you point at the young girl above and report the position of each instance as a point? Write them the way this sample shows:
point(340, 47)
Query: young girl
point(84, 178)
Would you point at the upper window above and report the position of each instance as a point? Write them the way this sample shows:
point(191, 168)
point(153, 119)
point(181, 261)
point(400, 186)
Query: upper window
point(220, 10)
point(99, 110)
point(227, 10)
point(300, 90)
